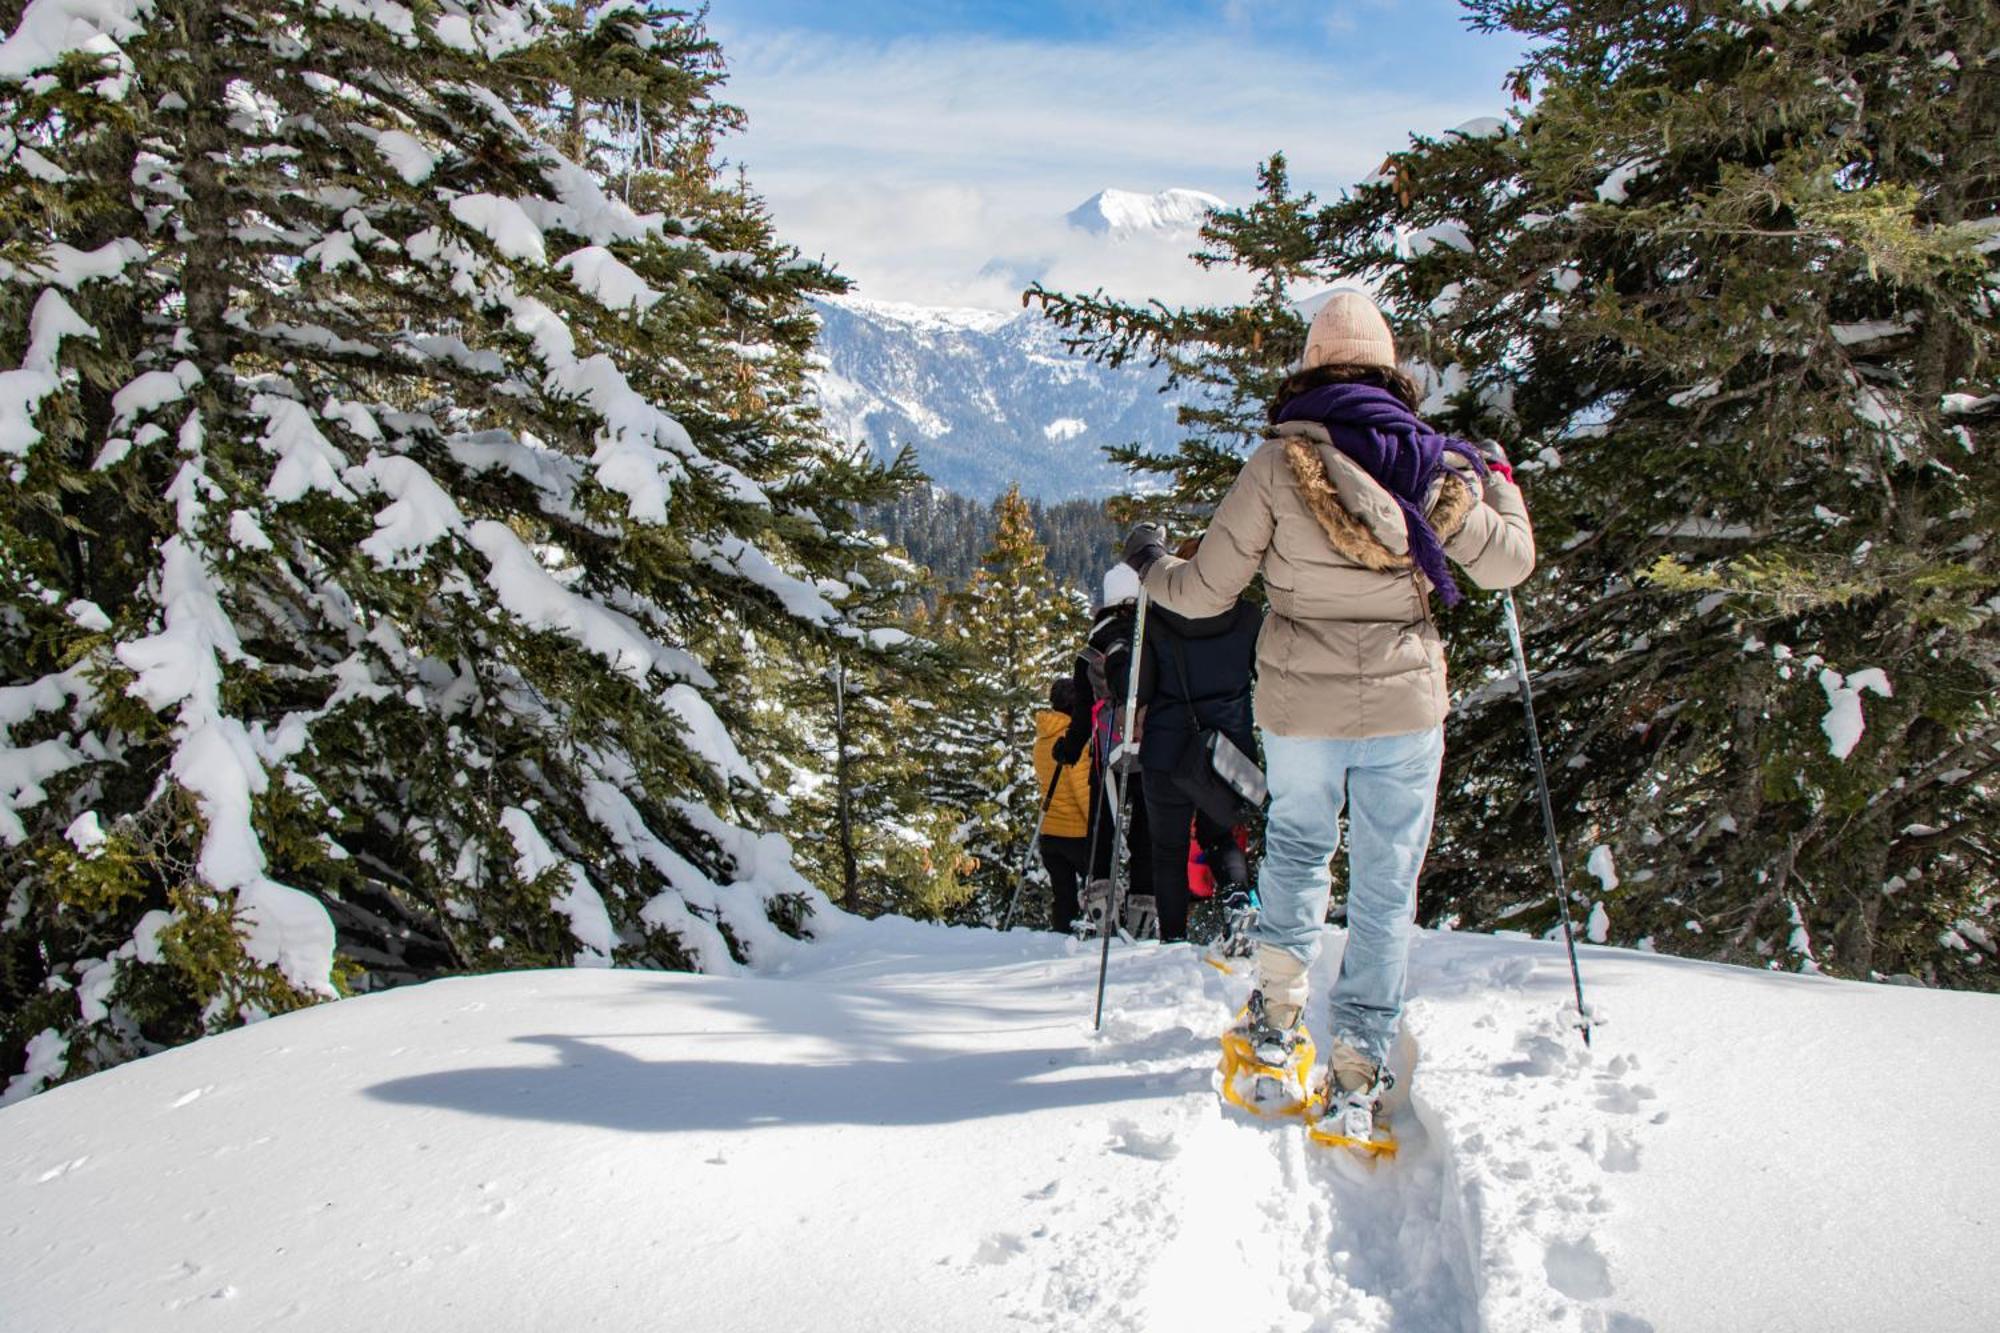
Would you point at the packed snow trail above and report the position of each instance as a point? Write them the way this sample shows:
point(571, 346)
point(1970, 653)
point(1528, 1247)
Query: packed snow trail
point(914, 1127)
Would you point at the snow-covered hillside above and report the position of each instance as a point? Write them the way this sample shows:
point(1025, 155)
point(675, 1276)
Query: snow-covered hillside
point(914, 1127)
point(987, 398)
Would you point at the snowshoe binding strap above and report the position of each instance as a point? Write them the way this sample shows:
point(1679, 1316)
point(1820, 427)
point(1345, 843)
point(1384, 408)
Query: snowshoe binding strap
point(1239, 919)
point(1141, 916)
point(1090, 922)
point(1264, 1067)
point(1352, 1118)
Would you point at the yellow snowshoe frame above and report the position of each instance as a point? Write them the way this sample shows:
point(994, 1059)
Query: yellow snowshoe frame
point(1382, 1147)
point(1239, 1061)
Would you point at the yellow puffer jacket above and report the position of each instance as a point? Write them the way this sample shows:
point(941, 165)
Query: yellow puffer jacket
point(1069, 815)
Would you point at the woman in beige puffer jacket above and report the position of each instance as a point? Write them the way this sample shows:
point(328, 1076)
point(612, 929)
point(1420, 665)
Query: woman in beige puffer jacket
point(1350, 696)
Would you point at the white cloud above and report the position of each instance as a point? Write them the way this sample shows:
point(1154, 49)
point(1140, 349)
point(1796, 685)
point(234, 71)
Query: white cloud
point(916, 164)
point(965, 245)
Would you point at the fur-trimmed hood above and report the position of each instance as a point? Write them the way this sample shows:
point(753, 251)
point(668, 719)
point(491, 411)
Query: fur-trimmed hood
point(1358, 515)
point(1350, 647)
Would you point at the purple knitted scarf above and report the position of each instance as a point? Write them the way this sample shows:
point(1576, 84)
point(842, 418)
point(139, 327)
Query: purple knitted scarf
point(1371, 426)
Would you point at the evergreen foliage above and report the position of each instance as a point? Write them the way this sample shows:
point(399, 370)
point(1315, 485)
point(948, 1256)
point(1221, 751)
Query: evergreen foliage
point(368, 614)
point(866, 828)
point(949, 534)
point(1727, 290)
point(1014, 630)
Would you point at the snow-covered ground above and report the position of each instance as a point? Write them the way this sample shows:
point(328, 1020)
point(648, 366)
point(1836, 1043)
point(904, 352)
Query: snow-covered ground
point(915, 1128)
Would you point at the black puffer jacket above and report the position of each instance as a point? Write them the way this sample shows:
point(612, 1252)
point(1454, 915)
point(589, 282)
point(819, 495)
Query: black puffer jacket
point(1207, 663)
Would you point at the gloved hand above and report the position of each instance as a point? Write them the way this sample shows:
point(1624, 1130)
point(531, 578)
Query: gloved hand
point(1066, 753)
point(1496, 458)
point(1145, 546)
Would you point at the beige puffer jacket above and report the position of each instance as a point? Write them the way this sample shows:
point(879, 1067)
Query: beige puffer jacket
point(1350, 648)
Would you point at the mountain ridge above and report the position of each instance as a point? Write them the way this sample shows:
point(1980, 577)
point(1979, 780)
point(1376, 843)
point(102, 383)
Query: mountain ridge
point(991, 398)
point(986, 398)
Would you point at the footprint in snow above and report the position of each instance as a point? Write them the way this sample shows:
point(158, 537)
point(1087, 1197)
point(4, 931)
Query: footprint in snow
point(1577, 1269)
point(1133, 1141)
point(998, 1248)
point(1541, 1056)
point(1619, 1099)
point(1621, 1153)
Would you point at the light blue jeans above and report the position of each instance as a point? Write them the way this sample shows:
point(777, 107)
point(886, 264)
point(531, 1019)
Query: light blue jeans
point(1391, 783)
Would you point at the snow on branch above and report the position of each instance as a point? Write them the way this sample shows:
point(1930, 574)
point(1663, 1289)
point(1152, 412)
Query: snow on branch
point(589, 921)
point(52, 29)
point(685, 909)
point(503, 222)
point(764, 870)
point(22, 391)
point(215, 758)
point(528, 592)
point(420, 512)
point(608, 280)
point(306, 461)
point(733, 555)
point(1843, 721)
point(69, 268)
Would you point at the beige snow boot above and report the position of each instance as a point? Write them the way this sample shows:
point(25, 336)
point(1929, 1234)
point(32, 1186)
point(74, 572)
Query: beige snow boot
point(1282, 981)
point(1351, 1093)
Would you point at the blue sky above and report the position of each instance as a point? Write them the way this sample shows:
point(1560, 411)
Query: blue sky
point(926, 147)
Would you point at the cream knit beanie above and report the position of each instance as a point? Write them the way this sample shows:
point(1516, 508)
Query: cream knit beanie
point(1349, 331)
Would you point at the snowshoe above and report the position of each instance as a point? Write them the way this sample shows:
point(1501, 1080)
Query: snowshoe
point(1239, 918)
point(1141, 916)
point(1096, 905)
point(1347, 1109)
point(1264, 1066)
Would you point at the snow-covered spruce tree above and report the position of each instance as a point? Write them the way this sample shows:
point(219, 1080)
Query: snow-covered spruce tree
point(1014, 631)
point(859, 775)
point(377, 488)
point(1730, 281)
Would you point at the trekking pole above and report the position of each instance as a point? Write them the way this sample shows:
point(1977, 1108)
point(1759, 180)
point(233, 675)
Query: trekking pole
point(1028, 856)
point(1513, 617)
point(1120, 858)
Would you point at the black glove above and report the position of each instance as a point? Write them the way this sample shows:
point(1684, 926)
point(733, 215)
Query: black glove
point(1067, 753)
point(1145, 546)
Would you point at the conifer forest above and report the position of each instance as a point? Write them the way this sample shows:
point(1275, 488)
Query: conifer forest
point(424, 554)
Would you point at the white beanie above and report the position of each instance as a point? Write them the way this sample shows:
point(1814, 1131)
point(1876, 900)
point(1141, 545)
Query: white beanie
point(1349, 331)
point(1120, 585)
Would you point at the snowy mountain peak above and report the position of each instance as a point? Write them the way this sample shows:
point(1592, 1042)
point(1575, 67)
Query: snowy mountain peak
point(1123, 213)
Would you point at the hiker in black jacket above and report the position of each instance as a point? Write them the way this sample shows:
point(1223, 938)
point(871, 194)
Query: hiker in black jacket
point(1193, 674)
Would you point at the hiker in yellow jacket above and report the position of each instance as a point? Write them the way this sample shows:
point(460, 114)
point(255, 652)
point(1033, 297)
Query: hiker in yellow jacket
point(1066, 824)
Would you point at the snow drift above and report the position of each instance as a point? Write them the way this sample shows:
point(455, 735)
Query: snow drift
point(914, 1127)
